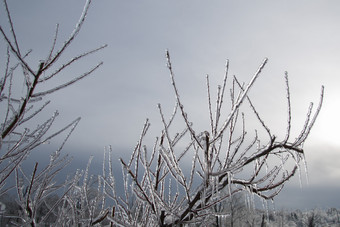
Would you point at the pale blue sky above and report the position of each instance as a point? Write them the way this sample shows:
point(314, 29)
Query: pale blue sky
point(301, 37)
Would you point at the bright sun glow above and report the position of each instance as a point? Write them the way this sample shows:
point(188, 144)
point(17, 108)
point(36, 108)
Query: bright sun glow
point(326, 128)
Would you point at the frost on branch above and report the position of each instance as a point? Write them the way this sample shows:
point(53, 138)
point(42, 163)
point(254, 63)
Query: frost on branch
point(23, 94)
point(169, 190)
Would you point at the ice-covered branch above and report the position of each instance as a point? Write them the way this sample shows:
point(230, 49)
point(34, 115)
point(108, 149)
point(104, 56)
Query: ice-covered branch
point(219, 164)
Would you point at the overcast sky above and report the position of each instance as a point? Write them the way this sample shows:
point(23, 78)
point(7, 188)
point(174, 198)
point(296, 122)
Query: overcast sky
point(301, 37)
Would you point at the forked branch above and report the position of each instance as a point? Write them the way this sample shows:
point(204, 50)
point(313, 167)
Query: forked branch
point(218, 163)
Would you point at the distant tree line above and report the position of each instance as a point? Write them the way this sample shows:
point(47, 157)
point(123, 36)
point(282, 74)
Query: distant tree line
point(236, 214)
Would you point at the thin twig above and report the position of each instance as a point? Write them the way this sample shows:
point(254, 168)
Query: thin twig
point(184, 115)
point(238, 104)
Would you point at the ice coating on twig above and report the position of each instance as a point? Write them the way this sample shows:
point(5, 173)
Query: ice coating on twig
point(196, 172)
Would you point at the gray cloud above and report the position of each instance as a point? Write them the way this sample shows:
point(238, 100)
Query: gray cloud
point(300, 37)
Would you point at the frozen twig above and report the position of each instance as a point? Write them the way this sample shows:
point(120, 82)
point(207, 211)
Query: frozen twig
point(170, 187)
point(239, 102)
